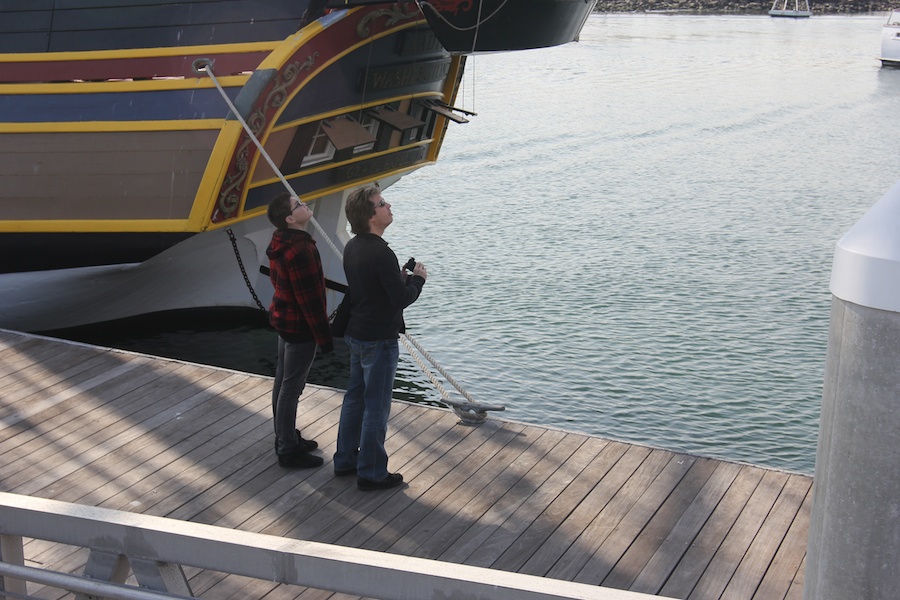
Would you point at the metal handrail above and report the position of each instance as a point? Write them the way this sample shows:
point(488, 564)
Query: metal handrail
point(146, 539)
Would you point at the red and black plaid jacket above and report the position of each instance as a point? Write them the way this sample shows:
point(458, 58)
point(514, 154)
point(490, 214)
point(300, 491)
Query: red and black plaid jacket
point(298, 311)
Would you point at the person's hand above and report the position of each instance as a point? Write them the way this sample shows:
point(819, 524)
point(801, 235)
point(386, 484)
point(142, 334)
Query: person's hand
point(420, 270)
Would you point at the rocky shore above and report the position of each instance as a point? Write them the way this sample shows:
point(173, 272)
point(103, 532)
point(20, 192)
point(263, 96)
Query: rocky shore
point(741, 7)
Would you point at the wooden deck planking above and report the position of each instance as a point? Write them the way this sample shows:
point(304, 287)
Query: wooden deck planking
point(119, 430)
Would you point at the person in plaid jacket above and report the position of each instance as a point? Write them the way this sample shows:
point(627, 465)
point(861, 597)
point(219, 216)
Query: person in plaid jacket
point(299, 314)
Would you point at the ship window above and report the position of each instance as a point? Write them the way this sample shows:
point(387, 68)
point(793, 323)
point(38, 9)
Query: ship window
point(320, 149)
point(345, 133)
point(369, 123)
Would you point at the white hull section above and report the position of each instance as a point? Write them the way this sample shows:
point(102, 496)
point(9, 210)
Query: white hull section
point(201, 272)
point(890, 41)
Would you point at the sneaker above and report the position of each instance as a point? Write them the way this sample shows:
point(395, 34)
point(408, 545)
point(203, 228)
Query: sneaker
point(308, 445)
point(366, 485)
point(305, 445)
point(345, 472)
point(300, 460)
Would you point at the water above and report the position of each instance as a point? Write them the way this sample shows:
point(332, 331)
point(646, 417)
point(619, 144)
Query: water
point(634, 236)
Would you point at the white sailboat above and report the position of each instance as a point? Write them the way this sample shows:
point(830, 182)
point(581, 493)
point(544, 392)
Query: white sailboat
point(799, 11)
point(890, 40)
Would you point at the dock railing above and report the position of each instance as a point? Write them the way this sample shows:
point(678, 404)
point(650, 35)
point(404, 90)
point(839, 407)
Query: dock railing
point(156, 550)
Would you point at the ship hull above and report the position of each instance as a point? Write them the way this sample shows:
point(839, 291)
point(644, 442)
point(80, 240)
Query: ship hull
point(141, 143)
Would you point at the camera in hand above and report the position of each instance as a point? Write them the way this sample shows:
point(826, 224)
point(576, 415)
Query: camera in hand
point(410, 264)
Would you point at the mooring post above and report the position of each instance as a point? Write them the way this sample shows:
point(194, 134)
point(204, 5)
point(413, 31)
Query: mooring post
point(854, 535)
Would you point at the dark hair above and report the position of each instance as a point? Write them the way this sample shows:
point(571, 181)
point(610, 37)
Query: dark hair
point(279, 209)
point(359, 208)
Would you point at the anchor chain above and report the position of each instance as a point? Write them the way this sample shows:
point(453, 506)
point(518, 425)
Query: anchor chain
point(237, 255)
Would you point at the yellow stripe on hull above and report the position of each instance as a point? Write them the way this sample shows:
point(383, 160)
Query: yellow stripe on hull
point(111, 126)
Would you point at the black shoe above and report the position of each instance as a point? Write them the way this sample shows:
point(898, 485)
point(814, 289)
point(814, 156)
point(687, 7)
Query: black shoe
point(300, 460)
point(345, 472)
point(392, 480)
point(307, 445)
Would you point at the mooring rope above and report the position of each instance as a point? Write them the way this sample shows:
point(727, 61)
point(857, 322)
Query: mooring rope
point(468, 412)
point(204, 65)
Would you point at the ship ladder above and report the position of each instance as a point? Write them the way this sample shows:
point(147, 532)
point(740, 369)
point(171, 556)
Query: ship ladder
point(470, 411)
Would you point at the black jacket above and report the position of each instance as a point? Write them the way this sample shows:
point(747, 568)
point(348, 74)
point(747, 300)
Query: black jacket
point(379, 291)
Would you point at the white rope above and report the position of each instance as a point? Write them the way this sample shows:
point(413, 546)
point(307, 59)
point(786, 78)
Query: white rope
point(204, 65)
point(470, 412)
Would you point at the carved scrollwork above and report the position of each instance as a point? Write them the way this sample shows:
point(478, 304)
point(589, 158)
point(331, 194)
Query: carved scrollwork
point(229, 197)
point(394, 15)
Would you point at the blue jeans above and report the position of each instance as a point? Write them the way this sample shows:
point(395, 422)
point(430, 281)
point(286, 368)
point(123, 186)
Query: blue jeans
point(291, 370)
point(367, 407)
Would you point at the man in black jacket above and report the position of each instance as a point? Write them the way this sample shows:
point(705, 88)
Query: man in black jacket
point(379, 291)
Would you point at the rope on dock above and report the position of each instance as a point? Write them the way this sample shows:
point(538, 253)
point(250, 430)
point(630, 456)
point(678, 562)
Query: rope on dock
point(470, 412)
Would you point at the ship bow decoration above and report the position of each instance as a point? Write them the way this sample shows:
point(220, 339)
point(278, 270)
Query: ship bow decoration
point(334, 108)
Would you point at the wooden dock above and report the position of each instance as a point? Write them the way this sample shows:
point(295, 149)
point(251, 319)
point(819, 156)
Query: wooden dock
point(125, 431)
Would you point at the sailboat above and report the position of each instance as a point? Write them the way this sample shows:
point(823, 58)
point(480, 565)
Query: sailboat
point(799, 11)
point(890, 40)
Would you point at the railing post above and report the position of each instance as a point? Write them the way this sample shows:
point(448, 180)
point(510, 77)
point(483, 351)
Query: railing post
point(12, 552)
point(854, 535)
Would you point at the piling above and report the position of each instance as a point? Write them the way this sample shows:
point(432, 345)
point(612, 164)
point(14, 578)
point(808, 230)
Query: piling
point(854, 537)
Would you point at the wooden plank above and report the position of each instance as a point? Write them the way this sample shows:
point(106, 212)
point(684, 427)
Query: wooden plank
point(610, 552)
point(84, 378)
point(627, 480)
point(762, 550)
point(48, 469)
point(733, 549)
point(283, 505)
point(196, 443)
point(24, 42)
point(787, 567)
point(546, 524)
point(566, 470)
point(136, 68)
point(796, 590)
point(413, 518)
point(348, 513)
point(185, 150)
point(677, 541)
point(129, 461)
point(333, 486)
point(572, 526)
point(82, 399)
point(164, 37)
point(57, 408)
point(205, 446)
point(15, 356)
point(10, 339)
point(34, 368)
point(696, 560)
point(529, 481)
point(647, 539)
point(14, 6)
point(150, 14)
point(470, 515)
point(112, 142)
point(244, 501)
point(24, 21)
point(226, 442)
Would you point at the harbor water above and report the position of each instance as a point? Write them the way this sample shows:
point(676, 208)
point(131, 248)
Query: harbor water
point(633, 238)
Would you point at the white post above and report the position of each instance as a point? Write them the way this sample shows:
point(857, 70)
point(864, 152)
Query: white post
point(854, 535)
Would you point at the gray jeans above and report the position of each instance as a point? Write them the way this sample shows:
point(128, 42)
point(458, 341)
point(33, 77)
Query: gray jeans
point(294, 361)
